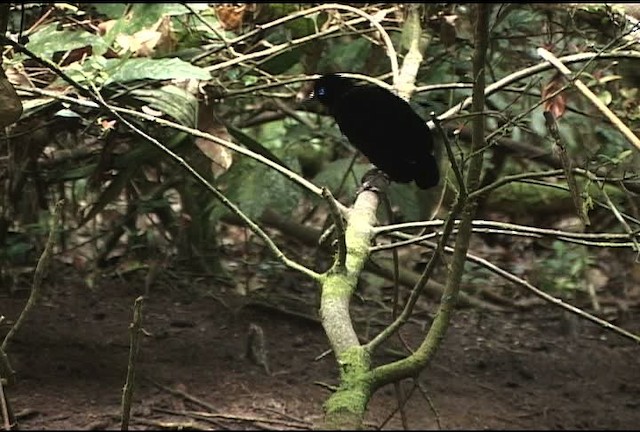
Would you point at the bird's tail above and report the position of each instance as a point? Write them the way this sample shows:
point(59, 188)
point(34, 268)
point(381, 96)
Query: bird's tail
point(429, 175)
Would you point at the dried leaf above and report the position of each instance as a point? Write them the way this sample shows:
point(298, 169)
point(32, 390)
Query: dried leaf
point(555, 105)
point(105, 26)
point(448, 30)
point(597, 278)
point(221, 157)
point(168, 41)
point(10, 104)
point(144, 43)
point(18, 77)
point(582, 206)
point(231, 16)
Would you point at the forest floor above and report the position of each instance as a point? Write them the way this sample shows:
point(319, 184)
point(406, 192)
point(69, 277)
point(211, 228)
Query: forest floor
point(536, 369)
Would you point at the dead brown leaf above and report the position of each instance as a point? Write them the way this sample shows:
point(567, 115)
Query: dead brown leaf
point(105, 26)
point(448, 29)
point(557, 104)
point(221, 157)
point(233, 15)
point(10, 105)
point(146, 42)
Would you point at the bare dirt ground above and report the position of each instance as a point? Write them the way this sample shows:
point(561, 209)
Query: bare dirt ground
point(515, 370)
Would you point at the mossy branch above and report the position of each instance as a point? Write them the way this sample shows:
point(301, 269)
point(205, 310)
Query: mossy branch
point(412, 365)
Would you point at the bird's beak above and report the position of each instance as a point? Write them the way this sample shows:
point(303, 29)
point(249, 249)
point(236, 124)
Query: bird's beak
point(305, 95)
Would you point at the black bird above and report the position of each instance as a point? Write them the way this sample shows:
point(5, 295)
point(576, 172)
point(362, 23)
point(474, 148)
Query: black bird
point(383, 127)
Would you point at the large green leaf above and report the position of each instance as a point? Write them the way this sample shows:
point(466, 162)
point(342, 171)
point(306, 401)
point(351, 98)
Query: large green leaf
point(172, 101)
point(346, 55)
point(404, 196)
point(149, 12)
point(156, 69)
point(255, 187)
point(110, 10)
point(253, 145)
point(49, 40)
point(284, 62)
point(333, 173)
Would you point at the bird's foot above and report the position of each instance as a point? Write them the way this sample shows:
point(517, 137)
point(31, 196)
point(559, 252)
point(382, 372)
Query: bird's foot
point(374, 180)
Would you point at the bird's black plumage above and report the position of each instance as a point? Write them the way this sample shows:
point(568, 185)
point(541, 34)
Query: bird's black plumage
point(383, 127)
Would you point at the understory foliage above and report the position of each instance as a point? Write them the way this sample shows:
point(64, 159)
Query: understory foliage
point(233, 71)
point(241, 73)
point(163, 127)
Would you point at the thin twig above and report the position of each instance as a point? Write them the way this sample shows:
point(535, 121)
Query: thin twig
point(618, 215)
point(412, 364)
point(374, 343)
point(390, 50)
point(38, 276)
point(182, 394)
point(399, 407)
point(339, 230)
point(244, 418)
point(423, 390)
point(452, 157)
point(536, 69)
point(6, 371)
point(212, 28)
point(405, 82)
point(512, 227)
point(7, 421)
point(134, 335)
point(539, 293)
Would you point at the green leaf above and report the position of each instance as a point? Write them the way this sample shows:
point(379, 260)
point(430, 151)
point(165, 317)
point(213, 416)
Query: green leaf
point(173, 101)
point(332, 174)
point(253, 145)
point(405, 197)
point(301, 27)
point(177, 9)
point(157, 69)
point(69, 174)
point(283, 62)
point(110, 10)
point(18, 250)
point(346, 55)
point(622, 156)
point(609, 78)
point(255, 187)
point(145, 15)
point(605, 97)
point(49, 40)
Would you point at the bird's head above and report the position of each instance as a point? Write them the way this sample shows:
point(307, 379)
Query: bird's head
point(328, 88)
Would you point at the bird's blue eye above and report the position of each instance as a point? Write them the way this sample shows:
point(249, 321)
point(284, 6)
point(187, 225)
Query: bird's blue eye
point(321, 91)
